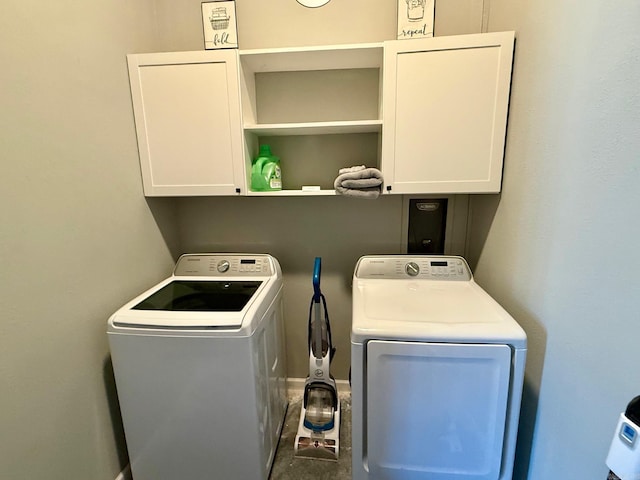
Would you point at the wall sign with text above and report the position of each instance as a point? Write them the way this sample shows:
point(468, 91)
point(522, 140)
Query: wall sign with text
point(219, 23)
point(415, 18)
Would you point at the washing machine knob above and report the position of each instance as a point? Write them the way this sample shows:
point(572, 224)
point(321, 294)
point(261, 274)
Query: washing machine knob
point(412, 269)
point(223, 266)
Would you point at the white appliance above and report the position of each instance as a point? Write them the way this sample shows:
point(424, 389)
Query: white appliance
point(623, 458)
point(437, 373)
point(200, 370)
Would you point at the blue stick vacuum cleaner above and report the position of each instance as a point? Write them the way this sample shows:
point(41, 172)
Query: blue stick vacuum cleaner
point(319, 427)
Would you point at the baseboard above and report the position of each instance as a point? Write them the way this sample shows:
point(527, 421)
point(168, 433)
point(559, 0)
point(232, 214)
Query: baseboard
point(125, 474)
point(295, 387)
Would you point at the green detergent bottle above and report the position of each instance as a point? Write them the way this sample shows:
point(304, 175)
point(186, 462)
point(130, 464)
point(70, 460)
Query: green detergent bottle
point(266, 175)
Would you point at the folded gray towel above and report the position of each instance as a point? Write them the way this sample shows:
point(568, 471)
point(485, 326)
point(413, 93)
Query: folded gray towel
point(359, 182)
point(370, 193)
point(351, 169)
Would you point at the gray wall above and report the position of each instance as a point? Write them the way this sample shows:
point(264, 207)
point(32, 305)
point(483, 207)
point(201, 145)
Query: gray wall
point(77, 237)
point(295, 231)
point(560, 248)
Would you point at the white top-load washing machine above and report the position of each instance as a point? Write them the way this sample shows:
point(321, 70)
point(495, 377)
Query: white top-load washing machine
point(437, 373)
point(200, 368)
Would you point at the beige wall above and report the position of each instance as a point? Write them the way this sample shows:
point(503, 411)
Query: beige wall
point(286, 23)
point(560, 248)
point(77, 237)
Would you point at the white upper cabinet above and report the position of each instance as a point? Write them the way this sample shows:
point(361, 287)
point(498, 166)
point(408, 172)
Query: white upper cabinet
point(188, 122)
point(431, 114)
point(445, 102)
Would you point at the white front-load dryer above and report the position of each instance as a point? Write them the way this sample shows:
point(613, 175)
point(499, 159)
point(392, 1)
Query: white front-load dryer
point(437, 373)
point(200, 370)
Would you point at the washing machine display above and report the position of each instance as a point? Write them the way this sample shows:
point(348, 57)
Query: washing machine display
point(200, 370)
point(437, 371)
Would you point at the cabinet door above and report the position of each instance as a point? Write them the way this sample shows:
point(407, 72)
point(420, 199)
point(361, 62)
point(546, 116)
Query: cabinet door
point(445, 102)
point(187, 113)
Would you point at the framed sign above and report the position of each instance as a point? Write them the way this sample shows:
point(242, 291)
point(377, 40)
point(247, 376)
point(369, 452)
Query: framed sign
point(219, 23)
point(415, 18)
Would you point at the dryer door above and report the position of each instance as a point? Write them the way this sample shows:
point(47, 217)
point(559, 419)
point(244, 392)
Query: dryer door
point(436, 411)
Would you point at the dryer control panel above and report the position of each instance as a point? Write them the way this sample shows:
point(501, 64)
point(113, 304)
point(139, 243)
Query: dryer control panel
point(224, 265)
point(420, 267)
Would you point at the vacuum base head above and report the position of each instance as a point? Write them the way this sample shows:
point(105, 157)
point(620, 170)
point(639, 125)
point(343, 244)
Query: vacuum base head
point(320, 449)
point(321, 445)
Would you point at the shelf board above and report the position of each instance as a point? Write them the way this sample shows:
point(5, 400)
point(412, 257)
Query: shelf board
point(292, 193)
point(315, 128)
point(333, 57)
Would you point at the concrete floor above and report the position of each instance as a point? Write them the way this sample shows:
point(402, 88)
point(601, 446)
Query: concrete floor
point(288, 467)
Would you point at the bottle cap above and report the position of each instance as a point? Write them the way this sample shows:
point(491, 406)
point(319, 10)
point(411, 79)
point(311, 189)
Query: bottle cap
point(265, 151)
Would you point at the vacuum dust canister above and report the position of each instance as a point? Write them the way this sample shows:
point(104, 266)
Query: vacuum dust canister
point(624, 453)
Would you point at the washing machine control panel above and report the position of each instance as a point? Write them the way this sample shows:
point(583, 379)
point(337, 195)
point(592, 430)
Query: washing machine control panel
point(224, 265)
point(417, 267)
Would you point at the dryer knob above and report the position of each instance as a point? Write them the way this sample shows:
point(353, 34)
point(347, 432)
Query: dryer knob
point(223, 266)
point(412, 269)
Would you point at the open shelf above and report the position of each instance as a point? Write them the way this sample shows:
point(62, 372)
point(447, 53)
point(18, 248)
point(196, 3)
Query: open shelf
point(319, 108)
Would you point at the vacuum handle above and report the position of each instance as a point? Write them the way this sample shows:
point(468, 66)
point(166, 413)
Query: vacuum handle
point(316, 280)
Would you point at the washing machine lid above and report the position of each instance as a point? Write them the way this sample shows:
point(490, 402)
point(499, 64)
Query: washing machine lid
point(426, 298)
point(206, 291)
point(200, 296)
